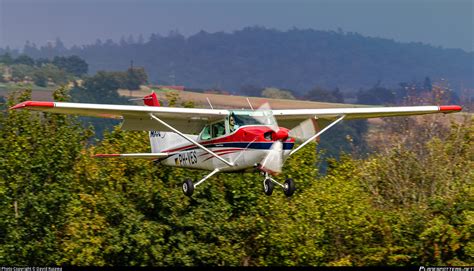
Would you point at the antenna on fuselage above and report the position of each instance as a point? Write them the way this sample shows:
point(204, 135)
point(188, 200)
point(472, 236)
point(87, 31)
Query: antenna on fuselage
point(209, 101)
point(248, 101)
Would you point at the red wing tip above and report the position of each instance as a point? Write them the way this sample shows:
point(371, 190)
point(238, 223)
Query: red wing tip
point(450, 108)
point(102, 155)
point(32, 103)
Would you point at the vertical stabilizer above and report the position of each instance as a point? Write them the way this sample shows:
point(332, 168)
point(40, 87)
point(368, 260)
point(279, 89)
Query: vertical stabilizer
point(160, 141)
point(151, 100)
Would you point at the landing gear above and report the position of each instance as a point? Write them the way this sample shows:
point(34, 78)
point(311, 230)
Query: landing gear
point(268, 186)
point(269, 183)
point(188, 187)
point(289, 187)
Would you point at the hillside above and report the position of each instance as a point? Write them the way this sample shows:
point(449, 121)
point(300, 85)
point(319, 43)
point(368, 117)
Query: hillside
point(234, 101)
point(295, 59)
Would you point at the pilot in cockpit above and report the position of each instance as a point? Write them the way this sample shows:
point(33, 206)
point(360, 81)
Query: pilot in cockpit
point(232, 125)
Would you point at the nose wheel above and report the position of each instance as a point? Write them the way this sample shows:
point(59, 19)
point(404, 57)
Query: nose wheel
point(289, 187)
point(268, 186)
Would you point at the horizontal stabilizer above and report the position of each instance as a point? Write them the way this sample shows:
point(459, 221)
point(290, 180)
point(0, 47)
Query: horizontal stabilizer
point(133, 155)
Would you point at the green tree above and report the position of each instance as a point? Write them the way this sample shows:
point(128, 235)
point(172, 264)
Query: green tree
point(72, 64)
point(134, 78)
point(38, 152)
point(321, 95)
point(25, 60)
point(22, 71)
point(41, 75)
point(6, 58)
point(276, 93)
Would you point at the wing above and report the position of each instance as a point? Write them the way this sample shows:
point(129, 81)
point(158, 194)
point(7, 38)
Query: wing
point(290, 118)
point(186, 120)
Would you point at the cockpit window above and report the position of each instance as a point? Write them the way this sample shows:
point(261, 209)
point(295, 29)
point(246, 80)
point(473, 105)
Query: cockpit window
point(218, 129)
point(206, 133)
point(242, 118)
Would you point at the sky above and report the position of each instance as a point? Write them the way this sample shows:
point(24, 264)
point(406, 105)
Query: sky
point(445, 23)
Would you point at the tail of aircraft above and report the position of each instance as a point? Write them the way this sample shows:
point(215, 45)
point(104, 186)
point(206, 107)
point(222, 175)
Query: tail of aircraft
point(160, 141)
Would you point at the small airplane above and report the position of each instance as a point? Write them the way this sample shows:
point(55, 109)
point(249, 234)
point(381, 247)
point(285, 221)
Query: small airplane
point(223, 140)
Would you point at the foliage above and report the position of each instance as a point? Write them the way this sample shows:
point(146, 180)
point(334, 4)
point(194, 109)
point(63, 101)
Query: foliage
point(100, 88)
point(72, 64)
point(38, 153)
point(133, 78)
point(322, 95)
point(377, 95)
point(410, 205)
point(275, 93)
point(21, 71)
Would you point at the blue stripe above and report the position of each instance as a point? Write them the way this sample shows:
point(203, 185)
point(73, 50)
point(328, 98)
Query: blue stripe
point(243, 145)
point(255, 145)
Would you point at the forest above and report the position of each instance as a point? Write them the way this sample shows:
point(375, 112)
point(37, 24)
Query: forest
point(297, 59)
point(411, 202)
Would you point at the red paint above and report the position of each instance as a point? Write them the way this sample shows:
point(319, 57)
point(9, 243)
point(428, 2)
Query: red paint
point(106, 155)
point(224, 150)
point(219, 154)
point(450, 108)
point(32, 103)
point(282, 134)
point(151, 100)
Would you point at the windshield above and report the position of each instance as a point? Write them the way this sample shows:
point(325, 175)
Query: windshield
point(242, 118)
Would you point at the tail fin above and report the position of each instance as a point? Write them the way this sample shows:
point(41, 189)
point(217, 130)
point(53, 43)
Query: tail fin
point(151, 100)
point(160, 140)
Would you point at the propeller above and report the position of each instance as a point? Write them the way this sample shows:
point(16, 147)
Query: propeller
point(273, 161)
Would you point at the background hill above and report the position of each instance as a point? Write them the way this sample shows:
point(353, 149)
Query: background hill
point(296, 59)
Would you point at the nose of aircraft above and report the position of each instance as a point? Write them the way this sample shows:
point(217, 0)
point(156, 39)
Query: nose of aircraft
point(281, 134)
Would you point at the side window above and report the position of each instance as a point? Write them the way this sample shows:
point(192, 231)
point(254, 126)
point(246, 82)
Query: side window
point(218, 129)
point(206, 133)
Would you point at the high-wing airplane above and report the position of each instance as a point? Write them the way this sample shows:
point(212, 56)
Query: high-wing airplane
point(222, 140)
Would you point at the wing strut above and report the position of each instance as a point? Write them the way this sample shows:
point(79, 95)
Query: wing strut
point(318, 134)
point(191, 140)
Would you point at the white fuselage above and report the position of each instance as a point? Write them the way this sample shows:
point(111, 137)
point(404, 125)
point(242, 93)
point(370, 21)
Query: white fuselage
point(244, 149)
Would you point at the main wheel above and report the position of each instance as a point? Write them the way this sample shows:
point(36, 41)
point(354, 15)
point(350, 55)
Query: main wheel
point(268, 186)
point(188, 187)
point(289, 187)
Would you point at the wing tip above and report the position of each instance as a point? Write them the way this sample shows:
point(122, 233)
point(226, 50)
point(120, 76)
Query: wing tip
point(32, 104)
point(450, 108)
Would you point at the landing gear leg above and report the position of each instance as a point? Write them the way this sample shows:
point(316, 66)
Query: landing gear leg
point(188, 186)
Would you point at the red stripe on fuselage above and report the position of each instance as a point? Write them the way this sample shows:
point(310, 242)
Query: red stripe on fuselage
point(220, 154)
point(223, 150)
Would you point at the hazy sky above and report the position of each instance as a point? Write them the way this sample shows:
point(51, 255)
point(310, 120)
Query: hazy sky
point(446, 23)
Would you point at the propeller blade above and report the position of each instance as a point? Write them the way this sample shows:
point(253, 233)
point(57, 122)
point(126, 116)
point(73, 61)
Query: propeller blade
point(264, 115)
point(304, 130)
point(273, 162)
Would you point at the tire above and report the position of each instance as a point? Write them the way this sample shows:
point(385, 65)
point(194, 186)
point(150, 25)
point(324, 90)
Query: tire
point(188, 187)
point(289, 187)
point(268, 186)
